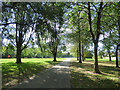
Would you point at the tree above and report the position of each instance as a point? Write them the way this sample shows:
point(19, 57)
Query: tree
point(118, 45)
point(108, 44)
point(55, 24)
point(95, 37)
point(102, 53)
point(21, 16)
point(77, 23)
point(51, 20)
point(115, 25)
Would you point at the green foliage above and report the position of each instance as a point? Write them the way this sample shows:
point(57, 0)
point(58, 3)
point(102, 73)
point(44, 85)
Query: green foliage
point(88, 54)
point(102, 54)
point(8, 50)
point(30, 52)
point(64, 55)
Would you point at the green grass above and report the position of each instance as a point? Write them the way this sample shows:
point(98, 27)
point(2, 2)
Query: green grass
point(13, 73)
point(83, 75)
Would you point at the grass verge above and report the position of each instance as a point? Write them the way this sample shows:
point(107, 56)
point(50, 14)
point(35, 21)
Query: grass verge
point(83, 75)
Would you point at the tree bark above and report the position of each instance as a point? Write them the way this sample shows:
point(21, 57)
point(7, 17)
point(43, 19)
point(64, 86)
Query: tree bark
point(95, 38)
point(18, 41)
point(80, 61)
point(19, 48)
point(19, 45)
point(109, 55)
point(83, 58)
point(55, 54)
point(117, 56)
point(96, 58)
point(55, 57)
point(18, 56)
point(77, 54)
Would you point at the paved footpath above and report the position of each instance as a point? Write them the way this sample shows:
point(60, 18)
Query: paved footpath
point(56, 77)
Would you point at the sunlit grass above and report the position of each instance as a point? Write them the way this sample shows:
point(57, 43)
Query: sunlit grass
point(90, 59)
point(13, 73)
point(83, 75)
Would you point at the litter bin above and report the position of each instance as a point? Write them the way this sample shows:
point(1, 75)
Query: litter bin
point(8, 56)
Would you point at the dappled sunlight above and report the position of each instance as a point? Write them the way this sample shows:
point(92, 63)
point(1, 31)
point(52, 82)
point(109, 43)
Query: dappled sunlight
point(13, 73)
point(101, 63)
point(84, 73)
point(56, 74)
point(63, 67)
point(32, 77)
point(87, 73)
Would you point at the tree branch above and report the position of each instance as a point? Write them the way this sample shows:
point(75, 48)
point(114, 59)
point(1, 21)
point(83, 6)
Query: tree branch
point(33, 8)
point(105, 5)
point(10, 39)
point(90, 23)
point(95, 7)
point(25, 46)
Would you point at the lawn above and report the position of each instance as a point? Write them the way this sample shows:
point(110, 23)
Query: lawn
point(13, 73)
point(83, 75)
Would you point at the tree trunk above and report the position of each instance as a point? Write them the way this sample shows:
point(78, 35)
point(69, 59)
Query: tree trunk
point(77, 54)
point(96, 58)
point(19, 45)
point(80, 61)
point(117, 57)
point(119, 35)
point(109, 55)
point(83, 58)
point(95, 37)
point(18, 55)
point(55, 57)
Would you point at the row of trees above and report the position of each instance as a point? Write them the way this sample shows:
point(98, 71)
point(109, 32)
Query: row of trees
point(88, 22)
point(44, 24)
point(33, 52)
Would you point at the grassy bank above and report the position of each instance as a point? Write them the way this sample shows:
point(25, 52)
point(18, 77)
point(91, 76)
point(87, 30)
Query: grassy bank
point(83, 75)
point(13, 73)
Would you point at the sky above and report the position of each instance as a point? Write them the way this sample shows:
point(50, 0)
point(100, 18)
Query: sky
point(68, 45)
